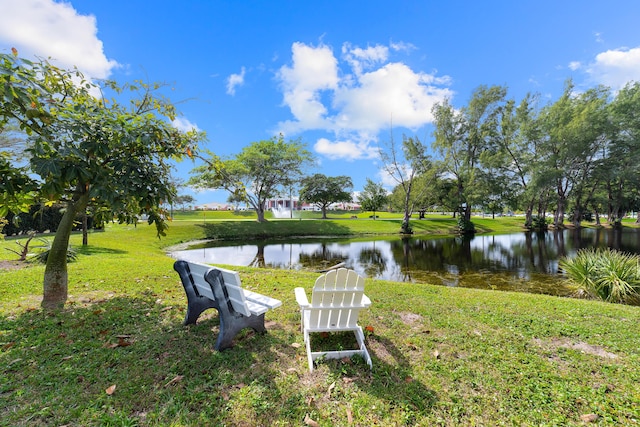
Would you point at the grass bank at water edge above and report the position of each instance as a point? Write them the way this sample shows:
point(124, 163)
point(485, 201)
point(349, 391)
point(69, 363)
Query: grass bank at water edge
point(118, 354)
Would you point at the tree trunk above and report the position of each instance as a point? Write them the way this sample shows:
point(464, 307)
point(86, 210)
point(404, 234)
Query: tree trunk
point(85, 232)
point(324, 212)
point(467, 212)
point(260, 212)
point(406, 228)
point(558, 219)
point(55, 273)
point(528, 218)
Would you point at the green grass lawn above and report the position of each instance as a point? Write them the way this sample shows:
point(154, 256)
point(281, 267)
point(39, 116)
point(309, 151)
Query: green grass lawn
point(441, 356)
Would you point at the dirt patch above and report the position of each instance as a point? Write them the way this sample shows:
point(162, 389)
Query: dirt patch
point(12, 265)
point(410, 318)
point(582, 346)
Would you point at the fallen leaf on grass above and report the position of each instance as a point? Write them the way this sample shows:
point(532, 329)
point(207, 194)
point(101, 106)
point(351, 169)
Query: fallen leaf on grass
point(349, 416)
point(589, 418)
point(110, 390)
point(330, 389)
point(369, 328)
point(308, 421)
point(436, 354)
point(296, 345)
point(122, 342)
point(176, 379)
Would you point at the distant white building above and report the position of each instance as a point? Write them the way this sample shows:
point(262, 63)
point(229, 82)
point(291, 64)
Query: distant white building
point(214, 206)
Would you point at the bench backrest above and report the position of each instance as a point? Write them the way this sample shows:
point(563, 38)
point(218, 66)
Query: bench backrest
point(203, 278)
point(337, 299)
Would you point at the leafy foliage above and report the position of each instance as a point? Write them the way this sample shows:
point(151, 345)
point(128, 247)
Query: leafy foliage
point(373, 197)
point(323, 190)
point(89, 150)
point(607, 274)
point(259, 172)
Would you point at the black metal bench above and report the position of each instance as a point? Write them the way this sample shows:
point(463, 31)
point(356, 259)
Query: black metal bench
point(207, 286)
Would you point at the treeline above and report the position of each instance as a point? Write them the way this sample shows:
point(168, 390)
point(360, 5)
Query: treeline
point(578, 156)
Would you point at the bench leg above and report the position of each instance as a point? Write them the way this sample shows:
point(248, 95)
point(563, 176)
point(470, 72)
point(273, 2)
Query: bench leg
point(195, 306)
point(231, 325)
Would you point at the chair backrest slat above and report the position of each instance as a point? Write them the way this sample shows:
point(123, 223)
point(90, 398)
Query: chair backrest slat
point(336, 299)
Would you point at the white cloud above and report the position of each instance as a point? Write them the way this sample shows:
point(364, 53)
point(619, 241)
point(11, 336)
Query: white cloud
point(402, 46)
point(184, 125)
point(615, 68)
point(361, 59)
point(348, 150)
point(52, 29)
point(314, 70)
point(575, 65)
point(598, 37)
point(394, 94)
point(235, 80)
point(373, 94)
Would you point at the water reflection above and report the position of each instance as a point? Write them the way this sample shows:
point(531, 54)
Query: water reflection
point(525, 262)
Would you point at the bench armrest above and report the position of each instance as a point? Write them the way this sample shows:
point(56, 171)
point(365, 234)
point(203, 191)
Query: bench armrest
point(301, 297)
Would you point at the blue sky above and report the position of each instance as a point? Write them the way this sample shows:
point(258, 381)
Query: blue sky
point(336, 74)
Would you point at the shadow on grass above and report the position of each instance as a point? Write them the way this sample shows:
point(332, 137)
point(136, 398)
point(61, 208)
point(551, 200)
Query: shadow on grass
point(129, 360)
point(61, 368)
point(95, 250)
point(391, 380)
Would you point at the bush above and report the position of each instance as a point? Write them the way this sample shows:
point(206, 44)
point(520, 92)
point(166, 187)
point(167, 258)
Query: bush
point(605, 274)
point(39, 219)
point(540, 223)
point(465, 226)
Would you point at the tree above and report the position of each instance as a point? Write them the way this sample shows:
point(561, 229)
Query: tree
point(373, 197)
point(404, 170)
point(574, 133)
point(510, 159)
point(184, 199)
point(461, 136)
point(621, 164)
point(259, 172)
point(85, 149)
point(323, 190)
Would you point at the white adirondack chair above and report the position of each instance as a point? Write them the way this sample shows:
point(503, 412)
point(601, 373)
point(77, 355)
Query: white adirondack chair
point(336, 301)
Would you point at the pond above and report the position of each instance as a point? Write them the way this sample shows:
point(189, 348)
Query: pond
point(525, 262)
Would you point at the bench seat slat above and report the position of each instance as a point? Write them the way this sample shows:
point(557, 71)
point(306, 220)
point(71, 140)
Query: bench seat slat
point(261, 299)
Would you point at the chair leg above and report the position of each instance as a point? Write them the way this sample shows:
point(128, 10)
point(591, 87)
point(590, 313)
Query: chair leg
point(309, 355)
point(363, 348)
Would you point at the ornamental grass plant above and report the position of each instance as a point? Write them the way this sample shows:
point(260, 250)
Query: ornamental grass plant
point(605, 274)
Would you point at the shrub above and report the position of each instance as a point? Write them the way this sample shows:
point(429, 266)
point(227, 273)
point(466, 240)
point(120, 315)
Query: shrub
point(540, 223)
point(465, 226)
point(605, 274)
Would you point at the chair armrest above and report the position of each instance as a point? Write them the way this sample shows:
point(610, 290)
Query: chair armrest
point(366, 301)
point(301, 297)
